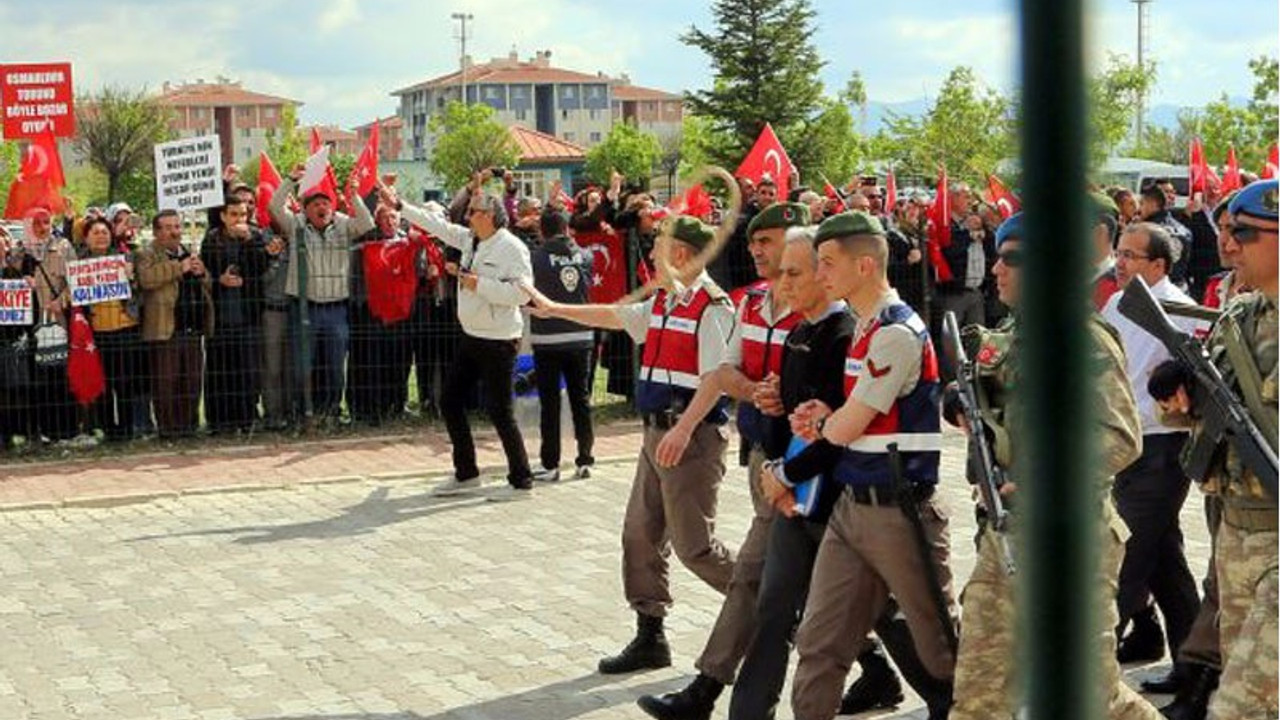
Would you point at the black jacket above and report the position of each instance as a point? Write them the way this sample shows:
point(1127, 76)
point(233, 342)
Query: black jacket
point(236, 307)
point(563, 272)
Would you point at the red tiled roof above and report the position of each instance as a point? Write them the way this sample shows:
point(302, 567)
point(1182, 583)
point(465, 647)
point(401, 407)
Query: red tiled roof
point(391, 121)
point(635, 92)
point(505, 71)
point(540, 147)
point(329, 133)
point(205, 94)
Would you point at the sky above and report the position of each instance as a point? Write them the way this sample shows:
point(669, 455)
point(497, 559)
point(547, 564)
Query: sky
point(342, 58)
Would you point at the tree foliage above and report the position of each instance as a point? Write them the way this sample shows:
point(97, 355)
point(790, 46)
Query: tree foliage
point(627, 149)
point(765, 69)
point(10, 162)
point(469, 139)
point(117, 130)
point(1114, 95)
point(831, 140)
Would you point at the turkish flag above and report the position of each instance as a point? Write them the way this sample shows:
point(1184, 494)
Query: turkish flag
point(1272, 168)
point(890, 192)
point(1231, 175)
point(608, 264)
point(268, 182)
point(830, 191)
point(328, 183)
point(85, 378)
point(40, 178)
point(391, 277)
point(999, 196)
point(767, 157)
point(364, 175)
point(940, 228)
point(695, 202)
point(1203, 178)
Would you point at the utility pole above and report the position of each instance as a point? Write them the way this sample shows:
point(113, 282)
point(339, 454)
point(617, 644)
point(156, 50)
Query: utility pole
point(1143, 18)
point(463, 19)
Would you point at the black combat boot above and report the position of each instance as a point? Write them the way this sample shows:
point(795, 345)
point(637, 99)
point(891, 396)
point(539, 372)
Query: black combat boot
point(648, 650)
point(694, 702)
point(1171, 683)
point(877, 687)
point(1145, 641)
point(1192, 702)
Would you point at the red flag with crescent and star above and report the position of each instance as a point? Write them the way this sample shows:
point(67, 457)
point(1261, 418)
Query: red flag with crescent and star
point(364, 175)
point(1231, 179)
point(85, 378)
point(768, 157)
point(268, 182)
point(1272, 167)
point(940, 228)
point(40, 178)
point(1000, 197)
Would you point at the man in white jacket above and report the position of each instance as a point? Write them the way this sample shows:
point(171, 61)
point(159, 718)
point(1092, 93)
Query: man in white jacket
point(491, 274)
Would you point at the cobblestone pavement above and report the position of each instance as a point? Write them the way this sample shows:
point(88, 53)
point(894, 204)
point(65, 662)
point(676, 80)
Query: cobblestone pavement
point(359, 598)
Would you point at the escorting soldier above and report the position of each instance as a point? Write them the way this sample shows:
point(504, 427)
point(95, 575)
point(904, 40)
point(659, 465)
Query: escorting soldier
point(754, 354)
point(1243, 346)
point(684, 333)
point(561, 348)
point(984, 677)
point(887, 533)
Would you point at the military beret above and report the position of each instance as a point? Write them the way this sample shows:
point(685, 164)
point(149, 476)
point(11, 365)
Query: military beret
point(1104, 205)
point(1259, 200)
point(692, 231)
point(1010, 229)
point(779, 215)
point(848, 223)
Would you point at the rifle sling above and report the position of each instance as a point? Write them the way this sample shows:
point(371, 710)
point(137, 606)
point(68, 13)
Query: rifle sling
point(1250, 379)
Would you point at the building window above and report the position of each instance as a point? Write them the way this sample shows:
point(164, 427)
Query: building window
point(198, 113)
point(246, 152)
point(593, 114)
point(269, 113)
point(568, 137)
point(564, 114)
point(650, 106)
point(595, 136)
point(440, 102)
point(244, 133)
point(522, 114)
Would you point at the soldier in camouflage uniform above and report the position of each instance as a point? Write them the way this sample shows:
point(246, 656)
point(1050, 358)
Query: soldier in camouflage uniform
point(985, 684)
point(1246, 540)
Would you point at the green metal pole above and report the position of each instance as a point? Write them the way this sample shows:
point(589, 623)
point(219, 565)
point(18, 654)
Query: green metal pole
point(1056, 614)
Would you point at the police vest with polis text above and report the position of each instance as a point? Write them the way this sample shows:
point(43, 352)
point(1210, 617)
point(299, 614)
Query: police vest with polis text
point(913, 422)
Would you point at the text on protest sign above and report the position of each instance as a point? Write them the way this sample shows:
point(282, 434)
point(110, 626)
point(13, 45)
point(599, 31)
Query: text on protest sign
point(15, 302)
point(30, 93)
point(98, 280)
point(189, 174)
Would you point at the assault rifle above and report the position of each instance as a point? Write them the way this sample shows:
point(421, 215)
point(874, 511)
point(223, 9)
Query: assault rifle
point(986, 474)
point(1223, 416)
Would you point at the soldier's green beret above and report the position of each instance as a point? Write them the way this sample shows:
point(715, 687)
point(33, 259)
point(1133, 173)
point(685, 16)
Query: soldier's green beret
point(779, 215)
point(693, 231)
point(1259, 199)
point(1104, 205)
point(848, 223)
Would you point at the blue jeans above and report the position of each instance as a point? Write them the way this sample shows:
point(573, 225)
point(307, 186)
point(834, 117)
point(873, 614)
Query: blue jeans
point(322, 372)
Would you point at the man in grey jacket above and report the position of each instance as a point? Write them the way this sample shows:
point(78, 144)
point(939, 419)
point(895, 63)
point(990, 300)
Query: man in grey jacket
point(492, 272)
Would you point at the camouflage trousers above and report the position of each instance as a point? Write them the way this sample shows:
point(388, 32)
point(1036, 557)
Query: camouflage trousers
point(985, 686)
point(1247, 590)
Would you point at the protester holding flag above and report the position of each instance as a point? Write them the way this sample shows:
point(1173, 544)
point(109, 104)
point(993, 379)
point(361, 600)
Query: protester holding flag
point(318, 283)
point(115, 330)
point(969, 256)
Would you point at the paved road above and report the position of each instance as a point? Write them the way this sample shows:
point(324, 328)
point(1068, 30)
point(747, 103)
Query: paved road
point(356, 600)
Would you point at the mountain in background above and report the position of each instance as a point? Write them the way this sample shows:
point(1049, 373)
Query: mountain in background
point(1162, 115)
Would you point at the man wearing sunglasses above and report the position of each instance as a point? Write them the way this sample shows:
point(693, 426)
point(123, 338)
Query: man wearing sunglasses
point(493, 269)
point(1245, 550)
point(1149, 493)
point(985, 680)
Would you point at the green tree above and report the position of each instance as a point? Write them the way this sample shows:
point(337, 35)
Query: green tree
point(627, 149)
point(855, 94)
point(830, 138)
point(765, 70)
point(1114, 94)
point(117, 130)
point(10, 162)
point(469, 140)
point(698, 138)
point(1266, 74)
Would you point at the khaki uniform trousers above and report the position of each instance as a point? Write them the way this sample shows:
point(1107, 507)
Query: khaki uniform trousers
point(1247, 595)
point(674, 508)
point(736, 623)
point(985, 683)
point(868, 553)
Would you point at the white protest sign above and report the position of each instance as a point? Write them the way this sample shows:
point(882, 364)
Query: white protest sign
point(189, 174)
point(16, 302)
point(98, 280)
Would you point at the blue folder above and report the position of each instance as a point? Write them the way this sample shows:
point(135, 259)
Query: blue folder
point(806, 492)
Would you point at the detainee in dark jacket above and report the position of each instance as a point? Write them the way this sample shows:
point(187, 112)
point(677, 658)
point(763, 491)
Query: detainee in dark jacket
point(562, 348)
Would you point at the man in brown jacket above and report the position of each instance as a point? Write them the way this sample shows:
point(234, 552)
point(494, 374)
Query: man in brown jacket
point(177, 313)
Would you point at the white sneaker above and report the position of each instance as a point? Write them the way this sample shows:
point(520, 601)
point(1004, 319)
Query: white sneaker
point(547, 475)
point(582, 472)
point(454, 486)
point(509, 493)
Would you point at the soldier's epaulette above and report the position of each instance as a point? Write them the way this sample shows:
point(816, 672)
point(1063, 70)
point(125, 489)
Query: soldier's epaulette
point(717, 294)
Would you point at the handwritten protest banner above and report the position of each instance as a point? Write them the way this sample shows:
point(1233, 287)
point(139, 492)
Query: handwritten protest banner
point(189, 174)
point(98, 280)
point(15, 302)
point(33, 93)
